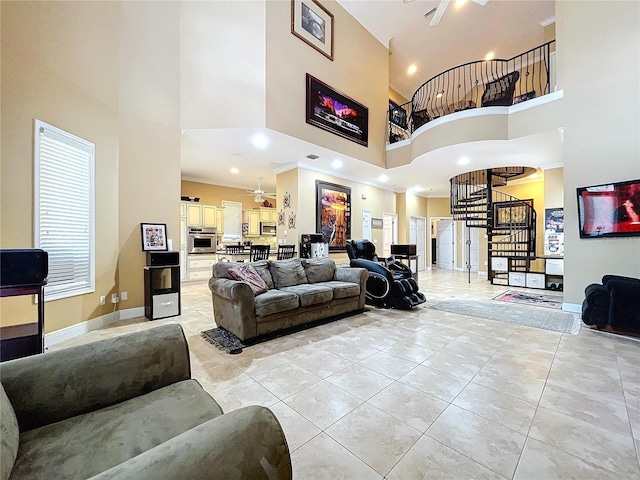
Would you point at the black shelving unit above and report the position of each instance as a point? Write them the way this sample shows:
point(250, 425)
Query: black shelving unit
point(162, 291)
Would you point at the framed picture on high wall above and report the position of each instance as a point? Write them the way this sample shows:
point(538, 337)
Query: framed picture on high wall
point(333, 214)
point(336, 113)
point(313, 24)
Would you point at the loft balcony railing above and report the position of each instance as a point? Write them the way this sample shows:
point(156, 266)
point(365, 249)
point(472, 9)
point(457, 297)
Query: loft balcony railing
point(482, 83)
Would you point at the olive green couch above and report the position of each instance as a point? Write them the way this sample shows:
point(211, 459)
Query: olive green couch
point(127, 408)
point(299, 291)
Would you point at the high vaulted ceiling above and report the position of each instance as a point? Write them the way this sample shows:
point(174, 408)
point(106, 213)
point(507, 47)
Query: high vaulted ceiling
point(464, 34)
point(506, 27)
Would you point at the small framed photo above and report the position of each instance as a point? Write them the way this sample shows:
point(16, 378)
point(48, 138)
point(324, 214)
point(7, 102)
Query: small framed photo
point(313, 24)
point(154, 236)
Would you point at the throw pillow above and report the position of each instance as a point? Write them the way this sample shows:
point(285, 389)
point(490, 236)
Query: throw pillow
point(287, 273)
point(319, 269)
point(247, 274)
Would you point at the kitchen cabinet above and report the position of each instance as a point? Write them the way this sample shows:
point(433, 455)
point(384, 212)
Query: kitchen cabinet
point(200, 266)
point(220, 220)
point(268, 215)
point(209, 214)
point(253, 219)
point(183, 243)
point(194, 215)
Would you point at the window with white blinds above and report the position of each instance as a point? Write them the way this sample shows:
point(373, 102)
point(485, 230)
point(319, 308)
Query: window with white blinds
point(232, 221)
point(64, 210)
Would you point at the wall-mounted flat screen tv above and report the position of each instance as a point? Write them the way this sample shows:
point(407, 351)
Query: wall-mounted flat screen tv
point(611, 210)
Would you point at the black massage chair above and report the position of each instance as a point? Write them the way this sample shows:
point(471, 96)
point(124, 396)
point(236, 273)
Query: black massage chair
point(390, 284)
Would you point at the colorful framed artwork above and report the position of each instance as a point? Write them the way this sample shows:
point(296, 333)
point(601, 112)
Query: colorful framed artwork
point(154, 236)
point(333, 214)
point(336, 113)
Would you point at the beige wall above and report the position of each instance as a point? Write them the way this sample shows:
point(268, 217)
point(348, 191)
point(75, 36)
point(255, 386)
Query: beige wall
point(214, 194)
point(554, 188)
point(91, 76)
point(359, 70)
point(377, 201)
point(215, 36)
point(601, 142)
point(397, 97)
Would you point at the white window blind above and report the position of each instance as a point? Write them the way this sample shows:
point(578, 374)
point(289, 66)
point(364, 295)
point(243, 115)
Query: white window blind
point(64, 210)
point(232, 221)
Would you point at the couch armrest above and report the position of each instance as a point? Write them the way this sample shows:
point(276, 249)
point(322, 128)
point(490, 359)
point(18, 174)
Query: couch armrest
point(352, 275)
point(623, 309)
point(246, 443)
point(234, 307)
point(53, 386)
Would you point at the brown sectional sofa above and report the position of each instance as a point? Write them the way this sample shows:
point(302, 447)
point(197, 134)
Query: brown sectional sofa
point(300, 291)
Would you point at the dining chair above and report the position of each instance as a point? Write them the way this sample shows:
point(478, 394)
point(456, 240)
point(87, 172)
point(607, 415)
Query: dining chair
point(259, 252)
point(233, 251)
point(286, 251)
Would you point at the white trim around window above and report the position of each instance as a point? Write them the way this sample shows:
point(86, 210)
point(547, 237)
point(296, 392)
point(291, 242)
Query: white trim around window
point(64, 209)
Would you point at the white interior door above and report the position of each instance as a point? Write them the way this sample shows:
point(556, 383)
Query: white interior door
point(389, 233)
point(472, 234)
point(418, 235)
point(366, 225)
point(445, 244)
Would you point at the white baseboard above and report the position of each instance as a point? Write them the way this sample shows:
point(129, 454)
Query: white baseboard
point(87, 326)
point(572, 307)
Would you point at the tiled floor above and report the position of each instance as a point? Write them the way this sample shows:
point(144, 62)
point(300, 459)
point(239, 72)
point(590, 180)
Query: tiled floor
point(427, 394)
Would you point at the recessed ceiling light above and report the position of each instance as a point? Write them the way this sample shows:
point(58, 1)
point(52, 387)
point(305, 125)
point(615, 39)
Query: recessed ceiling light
point(412, 69)
point(383, 178)
point(336, 164)
point(260, 140)
point(463, 161)
point(490, 56)
point(234, 170)
point(460, 3)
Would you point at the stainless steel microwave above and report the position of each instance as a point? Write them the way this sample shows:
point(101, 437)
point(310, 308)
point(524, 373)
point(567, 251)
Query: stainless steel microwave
point(267, 228)
point(202, 240)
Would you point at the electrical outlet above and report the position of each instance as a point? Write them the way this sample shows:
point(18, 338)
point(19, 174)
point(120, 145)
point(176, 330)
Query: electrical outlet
point(124, 296)
point(114, 298)
point(103, 300)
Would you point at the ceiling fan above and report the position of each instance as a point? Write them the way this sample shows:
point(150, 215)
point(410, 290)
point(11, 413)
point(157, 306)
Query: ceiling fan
point(442, 7)
point(259, 194)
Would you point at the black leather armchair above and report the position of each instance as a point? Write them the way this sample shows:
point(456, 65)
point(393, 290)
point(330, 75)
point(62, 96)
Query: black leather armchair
point(390, 283)
point(615, 303)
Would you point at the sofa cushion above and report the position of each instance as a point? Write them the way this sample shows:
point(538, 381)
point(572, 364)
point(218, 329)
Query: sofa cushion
point(275, 301)
point(319, 269)
point(342, 289)
point(9, 437)
point(88, 444)
point(247, 274)
point(286, 273)
point(310, 294)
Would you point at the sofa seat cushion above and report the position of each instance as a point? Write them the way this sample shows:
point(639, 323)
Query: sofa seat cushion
point(274, 301)
point(310, 293)
point(319, 269)
point(342, 289)
point(286, 273)
point(88, 444)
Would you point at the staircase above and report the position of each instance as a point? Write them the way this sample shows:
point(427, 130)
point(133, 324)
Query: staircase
point(509, 221)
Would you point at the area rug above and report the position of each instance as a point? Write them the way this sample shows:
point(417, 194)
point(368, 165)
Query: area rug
point(531, 317)
point(535, 299)
point(224, 340)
